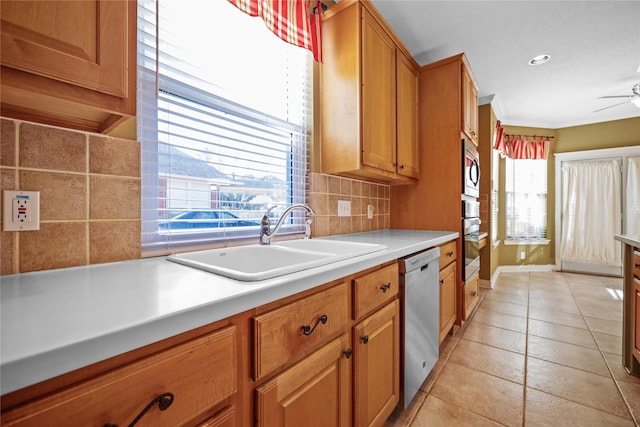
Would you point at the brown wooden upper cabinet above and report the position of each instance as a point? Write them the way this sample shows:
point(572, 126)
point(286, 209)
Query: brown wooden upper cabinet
point(469, 106)
point(369, 93)
point(70, 64)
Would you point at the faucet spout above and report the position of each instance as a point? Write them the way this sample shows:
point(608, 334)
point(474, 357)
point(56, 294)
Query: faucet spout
point(266, 234)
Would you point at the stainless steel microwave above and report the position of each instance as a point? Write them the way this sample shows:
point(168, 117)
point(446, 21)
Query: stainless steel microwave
point(471, 170)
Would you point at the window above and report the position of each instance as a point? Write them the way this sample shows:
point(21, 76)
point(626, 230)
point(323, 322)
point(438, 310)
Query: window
point(526, 199)
point(495, 185)
point(223, 108)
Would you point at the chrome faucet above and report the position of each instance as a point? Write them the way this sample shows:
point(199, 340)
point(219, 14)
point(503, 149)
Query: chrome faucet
point(266, 234)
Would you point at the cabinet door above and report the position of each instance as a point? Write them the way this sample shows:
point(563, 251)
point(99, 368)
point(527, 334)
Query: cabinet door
point(83, 43)
point(407, 117)
point(447, 299)
point(377, 366)
point(224, 418)
point(315, 391)
point(636, 319)
point(471, 295)
point(378, 96)
point(469, 106)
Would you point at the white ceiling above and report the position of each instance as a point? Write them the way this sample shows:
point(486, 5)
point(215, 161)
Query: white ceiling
point(594, 48)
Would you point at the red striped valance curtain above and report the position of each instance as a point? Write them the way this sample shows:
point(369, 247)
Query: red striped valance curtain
point(520, 146)
point(499, 140)
point(294, 21)
point(527, 147)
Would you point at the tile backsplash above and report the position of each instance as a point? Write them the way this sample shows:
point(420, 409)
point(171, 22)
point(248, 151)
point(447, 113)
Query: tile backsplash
point(323, 194)
point(89, 188)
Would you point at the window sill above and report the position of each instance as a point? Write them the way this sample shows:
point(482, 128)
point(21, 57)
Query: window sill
point(526, 242)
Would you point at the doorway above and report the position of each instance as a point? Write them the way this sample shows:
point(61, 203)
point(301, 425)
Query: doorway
point(592, 192)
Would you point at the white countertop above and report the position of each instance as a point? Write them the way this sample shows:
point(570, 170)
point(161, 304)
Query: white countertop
point(56, 321)
point(629, 239)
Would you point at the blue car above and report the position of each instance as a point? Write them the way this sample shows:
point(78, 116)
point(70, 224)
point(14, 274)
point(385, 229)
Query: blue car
point(205, 219)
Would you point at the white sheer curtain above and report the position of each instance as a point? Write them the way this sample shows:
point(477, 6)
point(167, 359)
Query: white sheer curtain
point(591, 212)
point(633, 196)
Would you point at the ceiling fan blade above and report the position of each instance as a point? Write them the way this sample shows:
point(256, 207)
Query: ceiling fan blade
point(616, 96)
point(611, 106)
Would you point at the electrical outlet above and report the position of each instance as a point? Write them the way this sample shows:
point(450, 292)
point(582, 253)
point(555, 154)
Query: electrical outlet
point(344, 208)
point(522, 255)
point(21, 210)
point(370, 211)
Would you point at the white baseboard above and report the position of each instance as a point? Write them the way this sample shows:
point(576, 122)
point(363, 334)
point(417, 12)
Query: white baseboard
point(514, 269)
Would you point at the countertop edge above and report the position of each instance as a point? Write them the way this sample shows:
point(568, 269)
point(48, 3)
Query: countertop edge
point(633, 240)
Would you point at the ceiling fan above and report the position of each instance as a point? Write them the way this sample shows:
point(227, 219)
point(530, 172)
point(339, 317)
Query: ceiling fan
point(635, 98)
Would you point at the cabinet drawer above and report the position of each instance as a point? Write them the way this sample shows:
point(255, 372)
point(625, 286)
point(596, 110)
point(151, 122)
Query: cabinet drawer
point(448, 253)
point(199, 373)
point(279, 335)
point(374, 289)
point(635, 263)
point(471, 295)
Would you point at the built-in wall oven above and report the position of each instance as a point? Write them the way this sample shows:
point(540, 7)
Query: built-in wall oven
point(471, 237)
point(471, 170)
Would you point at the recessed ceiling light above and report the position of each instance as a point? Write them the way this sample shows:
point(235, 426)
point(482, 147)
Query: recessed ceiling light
point(540, 59)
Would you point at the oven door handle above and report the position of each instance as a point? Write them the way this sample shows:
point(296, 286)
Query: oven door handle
point(474, 169)
point(472, 221)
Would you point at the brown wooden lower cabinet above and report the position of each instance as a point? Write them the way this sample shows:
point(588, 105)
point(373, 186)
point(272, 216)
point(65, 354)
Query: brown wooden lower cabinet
point(636, 318)
point(315, 391)
point(376, 343)
point(471, 295)
point(447, 299)
point(224, 418)
point(198, 374)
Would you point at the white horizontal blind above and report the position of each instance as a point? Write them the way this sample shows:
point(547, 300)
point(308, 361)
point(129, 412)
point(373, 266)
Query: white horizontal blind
point(223, 107)
point(495, 184)
point(526, 199)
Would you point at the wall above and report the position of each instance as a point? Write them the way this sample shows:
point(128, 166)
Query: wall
point(89, 196)
point(617, 133)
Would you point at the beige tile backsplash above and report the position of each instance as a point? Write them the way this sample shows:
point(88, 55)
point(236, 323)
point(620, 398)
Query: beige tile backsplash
point(89, 196)
point(324, 193)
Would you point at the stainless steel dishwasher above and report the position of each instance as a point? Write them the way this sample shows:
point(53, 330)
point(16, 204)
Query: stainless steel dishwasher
point(419, 274)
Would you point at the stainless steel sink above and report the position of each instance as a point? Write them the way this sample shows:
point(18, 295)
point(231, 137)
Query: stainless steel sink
point(260, 262)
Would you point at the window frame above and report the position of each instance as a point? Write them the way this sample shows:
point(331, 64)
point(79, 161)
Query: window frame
point(154, 240)
point(510, 219)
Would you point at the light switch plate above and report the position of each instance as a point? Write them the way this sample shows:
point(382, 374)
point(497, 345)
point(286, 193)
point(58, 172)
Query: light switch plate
point(20, 210)
point(344, 208)
point(369, 211)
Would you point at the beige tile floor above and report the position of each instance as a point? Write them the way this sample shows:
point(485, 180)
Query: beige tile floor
point(542, 349)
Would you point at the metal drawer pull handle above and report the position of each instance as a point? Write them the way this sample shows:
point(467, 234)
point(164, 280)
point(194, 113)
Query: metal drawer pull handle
point(474, 294)
point(385, 288)
point(442, 281)
point(164, 401)
point(364, 339)
point(637, 265)
point(347, 353)
point(450, 254)
point(308, 330)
